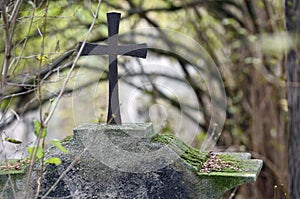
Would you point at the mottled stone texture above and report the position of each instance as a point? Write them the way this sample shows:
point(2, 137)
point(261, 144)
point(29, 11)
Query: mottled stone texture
point(90, 178)
point(122, 162)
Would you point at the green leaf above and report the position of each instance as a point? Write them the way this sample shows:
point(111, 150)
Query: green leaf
point(13, 141)
point(40, 151)
point(5, 103)
point(58, 144)
point(44, 134)
point(37, 128)
point(54, 160)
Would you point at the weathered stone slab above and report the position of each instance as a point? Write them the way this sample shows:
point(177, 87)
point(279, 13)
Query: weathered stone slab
point(109, 161)
point(121, 162)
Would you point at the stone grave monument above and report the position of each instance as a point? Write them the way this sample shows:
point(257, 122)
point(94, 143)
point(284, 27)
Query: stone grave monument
point(116, 160)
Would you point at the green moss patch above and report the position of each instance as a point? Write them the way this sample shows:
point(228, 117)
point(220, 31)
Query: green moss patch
point(202, 162)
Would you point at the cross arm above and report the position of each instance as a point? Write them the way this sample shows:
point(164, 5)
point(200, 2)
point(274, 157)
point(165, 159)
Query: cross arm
point(134, 50)
point(93, 49)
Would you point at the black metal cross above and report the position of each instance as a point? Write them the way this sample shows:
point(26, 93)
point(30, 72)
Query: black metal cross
point(113, 50)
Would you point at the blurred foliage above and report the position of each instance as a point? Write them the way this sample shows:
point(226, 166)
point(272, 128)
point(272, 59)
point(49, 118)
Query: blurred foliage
point(245, 39)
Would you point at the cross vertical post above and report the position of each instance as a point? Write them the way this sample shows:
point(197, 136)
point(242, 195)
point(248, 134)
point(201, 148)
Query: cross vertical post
point(113, 114)
point(113, 50)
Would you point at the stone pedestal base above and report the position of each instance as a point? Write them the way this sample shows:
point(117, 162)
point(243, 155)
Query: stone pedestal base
point(107, 161)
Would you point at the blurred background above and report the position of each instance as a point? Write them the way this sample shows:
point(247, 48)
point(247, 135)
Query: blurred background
point(243, 40)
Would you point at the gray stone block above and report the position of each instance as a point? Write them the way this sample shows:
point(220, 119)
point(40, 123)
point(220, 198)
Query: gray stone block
point(109, 161)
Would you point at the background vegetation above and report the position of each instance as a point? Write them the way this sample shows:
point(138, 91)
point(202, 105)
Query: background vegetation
point(245, 38)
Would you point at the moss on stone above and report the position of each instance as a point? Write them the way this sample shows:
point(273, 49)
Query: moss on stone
point(196, 158)
point(67, 139)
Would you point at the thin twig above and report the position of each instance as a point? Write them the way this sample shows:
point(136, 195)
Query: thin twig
point(9, 27)
point(65, 172)
point(46, 121)
point(25, 42)
point(233, 193)
point(7, 49)
point(39, 90)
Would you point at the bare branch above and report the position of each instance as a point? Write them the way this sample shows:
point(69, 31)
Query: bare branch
point(46, 121)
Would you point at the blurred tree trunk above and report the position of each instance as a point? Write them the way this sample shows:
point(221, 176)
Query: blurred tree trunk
point(292, 9)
